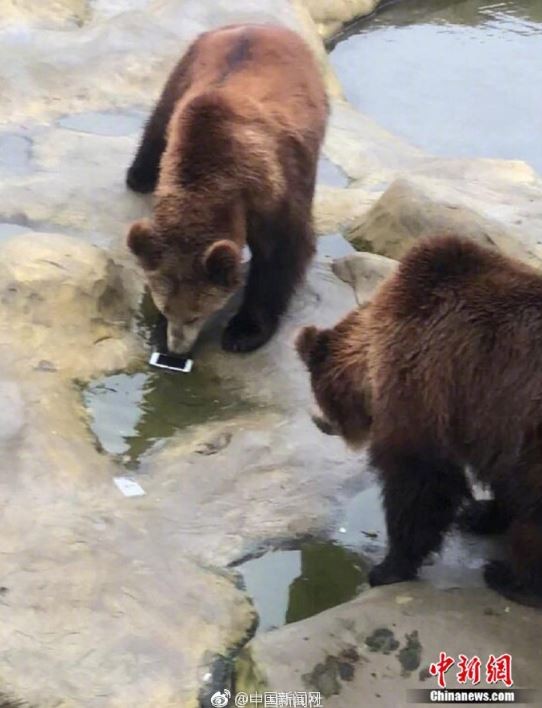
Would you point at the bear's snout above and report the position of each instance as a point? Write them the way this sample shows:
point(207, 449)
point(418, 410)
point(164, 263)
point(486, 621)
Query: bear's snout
point(181, 337)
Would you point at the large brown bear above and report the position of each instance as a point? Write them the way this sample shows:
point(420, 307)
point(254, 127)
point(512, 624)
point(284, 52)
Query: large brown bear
point(443, 370)
point(231, 149)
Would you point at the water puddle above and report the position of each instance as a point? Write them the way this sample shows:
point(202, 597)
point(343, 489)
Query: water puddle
point(329, 174)
point(7, 230)
point(130, 413)
point(455, 77)
point(291, 585)
point(15, 155)
point(362, 529)
point(334, 246)
point(108, 123)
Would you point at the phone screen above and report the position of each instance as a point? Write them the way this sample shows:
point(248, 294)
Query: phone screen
point(168, 361)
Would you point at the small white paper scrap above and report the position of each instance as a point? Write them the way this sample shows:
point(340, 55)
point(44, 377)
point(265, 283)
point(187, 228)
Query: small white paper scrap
point(129, 487)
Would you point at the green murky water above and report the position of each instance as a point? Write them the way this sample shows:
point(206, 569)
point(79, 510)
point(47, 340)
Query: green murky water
point(457, 78)
point(291, 585)
point(130, 413)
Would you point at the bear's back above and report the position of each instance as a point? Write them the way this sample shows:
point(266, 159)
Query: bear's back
point(457, 347)
point(269, 65)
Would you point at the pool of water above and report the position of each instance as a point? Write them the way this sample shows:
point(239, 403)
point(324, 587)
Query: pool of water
point(290, 585)
point(456, 77)
point(131, 412)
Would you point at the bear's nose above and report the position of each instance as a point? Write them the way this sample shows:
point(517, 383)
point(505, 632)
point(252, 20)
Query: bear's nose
point(180, 338)
point(175, 339)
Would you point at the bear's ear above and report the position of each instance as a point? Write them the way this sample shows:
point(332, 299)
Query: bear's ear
point(312, 345)
point(222, 263)
point(144, 245)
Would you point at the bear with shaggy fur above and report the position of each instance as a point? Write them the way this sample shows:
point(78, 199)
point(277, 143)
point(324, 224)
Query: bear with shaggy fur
point(443, 371)
point(231, 152)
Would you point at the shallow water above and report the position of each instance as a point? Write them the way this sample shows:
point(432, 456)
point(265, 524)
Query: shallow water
point(290, 585)
point(129, 413)
point(458, 78)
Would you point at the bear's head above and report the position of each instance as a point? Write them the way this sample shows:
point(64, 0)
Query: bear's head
point(187, 284)
point(338, 372)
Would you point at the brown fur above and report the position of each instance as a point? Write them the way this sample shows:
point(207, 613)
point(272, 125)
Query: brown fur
point(450, 349)
point(232, 149)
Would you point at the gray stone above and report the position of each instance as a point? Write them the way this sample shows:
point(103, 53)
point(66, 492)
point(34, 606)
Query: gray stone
point(113, 601)
point(331, 15)
point(373, 650)
point(64, 301)
point(12, 410)
point(364, 271)
point(408, 211)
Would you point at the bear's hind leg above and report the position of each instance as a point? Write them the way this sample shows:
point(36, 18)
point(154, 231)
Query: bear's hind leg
point(421, 496)
point(520, 579)
point(281, 249)
point(142, 175)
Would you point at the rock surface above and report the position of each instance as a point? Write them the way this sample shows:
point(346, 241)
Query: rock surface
point(411, 209)
point(331, 15)
point(64, 302)
point(364, 272)
point(113, 601)
point(373, 650)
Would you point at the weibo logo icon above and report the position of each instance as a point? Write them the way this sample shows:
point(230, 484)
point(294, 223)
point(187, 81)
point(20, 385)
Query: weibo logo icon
point(220, 700)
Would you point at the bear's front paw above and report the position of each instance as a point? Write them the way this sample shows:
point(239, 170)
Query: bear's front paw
point(389, 572)
point(244, 334)
point(140, 180)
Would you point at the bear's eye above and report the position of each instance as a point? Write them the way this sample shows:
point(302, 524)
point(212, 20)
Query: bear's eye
point(192, 321)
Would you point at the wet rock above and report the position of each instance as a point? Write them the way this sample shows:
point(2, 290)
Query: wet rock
point(382, 640)
point(337, 209)
point(215, 444)
point(278, 480)
point(331, 15)
point(410, 655)
point(402, 636)
point(364, 272)
point(407, 212)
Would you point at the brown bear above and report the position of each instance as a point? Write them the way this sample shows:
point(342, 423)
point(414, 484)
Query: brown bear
point(443, 371)
point(231, 151)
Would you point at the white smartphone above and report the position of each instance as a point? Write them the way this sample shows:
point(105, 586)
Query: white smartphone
point(173, 363)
